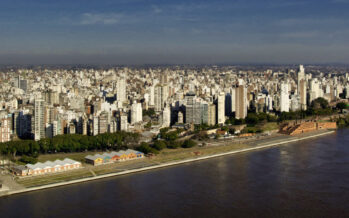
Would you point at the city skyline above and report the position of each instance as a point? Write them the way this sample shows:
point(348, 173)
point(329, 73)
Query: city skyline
point(161, 32)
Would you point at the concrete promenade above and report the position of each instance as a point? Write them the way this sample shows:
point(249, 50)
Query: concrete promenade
point(271, 144)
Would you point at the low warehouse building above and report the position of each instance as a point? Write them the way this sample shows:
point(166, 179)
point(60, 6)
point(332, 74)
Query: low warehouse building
point(52, 167)
point(112, 157)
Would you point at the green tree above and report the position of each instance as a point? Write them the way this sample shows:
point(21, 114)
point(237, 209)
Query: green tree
point(150, 112)
point(173, 144)
point(146, 149)
point(159, 145)
point(188, 143)
point(319, 103)
point(28, 160)
point(251, 119)
point(341, 106)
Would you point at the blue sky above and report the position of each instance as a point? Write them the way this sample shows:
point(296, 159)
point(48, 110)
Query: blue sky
point(171, 32)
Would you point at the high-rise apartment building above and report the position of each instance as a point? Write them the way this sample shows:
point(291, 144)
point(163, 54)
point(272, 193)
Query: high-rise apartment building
point(233, 97)
point(300, 76)
point(103, 123)
point(5, 130)
point(284, 98)
point(221, 108)
point(211, 115)
point(39, 119)
point(123, 124)
point(160, 96)
point(166, 117)
point(121, 90)
point(136, 113)
point(303, 94)
point(95, 125)
point(192, 109)
point(240, 102)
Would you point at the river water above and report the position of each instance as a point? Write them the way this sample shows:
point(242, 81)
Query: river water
point(303, 179)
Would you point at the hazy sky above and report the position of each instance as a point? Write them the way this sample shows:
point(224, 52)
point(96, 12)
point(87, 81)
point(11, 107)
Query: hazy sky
point(180, 31)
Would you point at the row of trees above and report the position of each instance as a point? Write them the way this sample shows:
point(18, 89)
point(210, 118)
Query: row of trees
point(71, 143)
point(252, 119)
point(159, 145)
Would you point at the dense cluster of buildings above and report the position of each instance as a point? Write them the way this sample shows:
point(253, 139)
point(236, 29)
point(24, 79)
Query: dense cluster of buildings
point(46, 167)
point(113, 157)
point(38, 103)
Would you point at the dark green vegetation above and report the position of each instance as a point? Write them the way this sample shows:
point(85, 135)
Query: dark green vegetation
point(150, 112)
point(162, 144)
point(70, 143)
point(28, 160)
point(341, 106)
point(252, 119)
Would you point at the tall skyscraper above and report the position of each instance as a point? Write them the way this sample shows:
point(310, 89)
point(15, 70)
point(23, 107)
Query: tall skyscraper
point(300, 76)
point(284, 98)
point(315, 90)
point(17, 81)
point(160, 96)
point(16, 122)
point(151, 96)
point(121, 90)
point(211, 114)
point(192, 109)
point(303, 94)
point(240, 102)
point(103, 123)
point(136, 112)
point(123, 125)
point(269, 103)
point(204, 112)
point(221, 108)
point(233, 101)
point(166, 117)
point(5, 130)
point(95, 125)
point(39, 119)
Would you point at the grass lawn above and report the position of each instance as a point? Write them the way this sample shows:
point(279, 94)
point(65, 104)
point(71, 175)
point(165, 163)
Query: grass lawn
point(270, 126)
point(184, 153)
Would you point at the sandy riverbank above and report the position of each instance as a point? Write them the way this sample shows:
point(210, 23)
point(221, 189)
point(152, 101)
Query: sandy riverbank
point(267, 145)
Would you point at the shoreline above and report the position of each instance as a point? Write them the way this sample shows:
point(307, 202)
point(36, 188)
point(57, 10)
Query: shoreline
point(8, 193)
